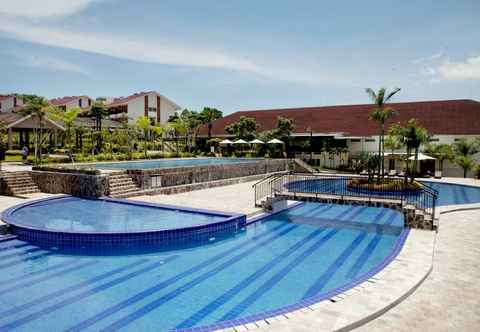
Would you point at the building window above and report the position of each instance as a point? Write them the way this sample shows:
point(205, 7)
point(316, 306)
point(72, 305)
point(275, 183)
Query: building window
point(355, 140)
point(89, 102)
point(152, 109)
point(14, 101)
point(80, 102)
point(433, 140)
point(0, 106)
point(369, 139)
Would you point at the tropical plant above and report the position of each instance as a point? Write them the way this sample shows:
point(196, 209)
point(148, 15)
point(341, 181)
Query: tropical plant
point(412, 135)
point(465, 147)
point(176, 128)
point(381, 114)
point(244, 128)
point(98, 112)
point(466, 163)
point(68, 119)
point(39, 108)
point(192, 122)
point(208, 115)
point(285, 127)
point(144, 125)
point(440, 151)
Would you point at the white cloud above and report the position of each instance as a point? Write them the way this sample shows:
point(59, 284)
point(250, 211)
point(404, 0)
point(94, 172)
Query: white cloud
point(53, 63)
point(460, 71)
point(42, 8)
point(440, 67)
point(160, 51)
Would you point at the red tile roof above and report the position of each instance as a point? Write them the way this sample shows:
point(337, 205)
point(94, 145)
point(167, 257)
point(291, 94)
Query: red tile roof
point(65, 100)
point(448, 117)
point(123, 100)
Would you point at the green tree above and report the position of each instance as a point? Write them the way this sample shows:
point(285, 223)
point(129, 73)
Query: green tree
point(466, 163)
point(98, 112)
point(381, 114)
point(144, 125)
point(284, 130)
point(176, 128)
point(39, 108)
point(208, 115)
point(192, 122)
point(245, 128)
point(440, 151)
point(412, 135)
point(68, 119)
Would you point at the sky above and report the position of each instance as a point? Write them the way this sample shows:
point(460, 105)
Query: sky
point(242, 54)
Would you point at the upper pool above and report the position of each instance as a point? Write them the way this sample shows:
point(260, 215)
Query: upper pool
point(172, 163)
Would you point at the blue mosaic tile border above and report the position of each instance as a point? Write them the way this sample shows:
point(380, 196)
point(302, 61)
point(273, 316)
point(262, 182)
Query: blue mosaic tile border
point(307, 301)
point(180, 237)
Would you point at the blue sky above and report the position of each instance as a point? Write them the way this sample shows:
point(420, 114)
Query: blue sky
point(241, 54)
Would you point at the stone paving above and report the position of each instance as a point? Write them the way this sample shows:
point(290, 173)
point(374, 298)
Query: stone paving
point(449, 300)
point(234, 198)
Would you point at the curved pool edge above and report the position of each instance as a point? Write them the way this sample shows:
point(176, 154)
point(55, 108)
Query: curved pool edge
point(195, 234)
point(306, 303)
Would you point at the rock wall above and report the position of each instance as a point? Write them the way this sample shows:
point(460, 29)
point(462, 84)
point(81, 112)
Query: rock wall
point(75, 184)
point(168, 177)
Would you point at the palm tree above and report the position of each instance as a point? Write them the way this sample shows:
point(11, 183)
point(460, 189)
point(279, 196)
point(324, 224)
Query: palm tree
point(98, 111)
point(413, 135)
point(144, 124)
point(208, 115)
point(442, 152)
point(466, 163)
point(393, 143)
point(39, 108)
point(381, 114)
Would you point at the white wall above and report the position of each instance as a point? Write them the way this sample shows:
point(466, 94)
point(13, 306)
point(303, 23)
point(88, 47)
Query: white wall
point(449, 168)
point(136, 108)
point(8, 104)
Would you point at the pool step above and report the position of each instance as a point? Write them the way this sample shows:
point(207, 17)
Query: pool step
point(18, 183)
point(121, 185)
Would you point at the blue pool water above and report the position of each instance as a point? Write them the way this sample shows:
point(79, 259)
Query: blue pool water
point(170, 163)
point(448, 194)
point(73, 214)
point(299, 256)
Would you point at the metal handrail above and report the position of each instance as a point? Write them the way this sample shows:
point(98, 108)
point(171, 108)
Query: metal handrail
point(296, 183)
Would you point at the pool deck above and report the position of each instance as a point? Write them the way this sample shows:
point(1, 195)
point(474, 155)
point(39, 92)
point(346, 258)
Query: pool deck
point(431, 285)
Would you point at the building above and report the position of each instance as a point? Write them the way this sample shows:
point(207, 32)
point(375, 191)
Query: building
point(66, 103)
point(10, 103)
point(150, 104)
point(350, 126)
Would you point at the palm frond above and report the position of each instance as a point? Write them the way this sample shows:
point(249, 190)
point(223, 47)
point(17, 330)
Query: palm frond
point(391, 94)
point(371, 94)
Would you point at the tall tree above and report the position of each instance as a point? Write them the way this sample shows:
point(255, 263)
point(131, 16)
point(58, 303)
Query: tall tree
point(244, 128)
point(464, 151)
point(144, 125)
point(412, 135)
point(192, 122)
point(98, 112)
point(285, 127)
point(440, 151)
point(381, 114)
point(68, 119)
point(208, 115)
point(39, 108)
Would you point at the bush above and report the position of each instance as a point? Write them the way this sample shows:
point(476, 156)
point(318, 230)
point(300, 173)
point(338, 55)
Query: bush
point(13, 153)
point(395, 185)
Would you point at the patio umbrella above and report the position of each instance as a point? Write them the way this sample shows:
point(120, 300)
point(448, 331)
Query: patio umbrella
point(256, 141)
point(421, 156)
point(226, 141)
point(240, 141)
point(275, 141)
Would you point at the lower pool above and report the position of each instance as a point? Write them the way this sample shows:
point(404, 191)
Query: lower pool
point(280, 263)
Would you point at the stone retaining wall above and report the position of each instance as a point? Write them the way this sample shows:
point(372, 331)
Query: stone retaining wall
point(75, 184)
point(168, 177)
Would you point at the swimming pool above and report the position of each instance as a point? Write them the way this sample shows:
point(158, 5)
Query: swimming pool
point(112, 223)
point(280, 263)
point(173, 163)
point(448, 194)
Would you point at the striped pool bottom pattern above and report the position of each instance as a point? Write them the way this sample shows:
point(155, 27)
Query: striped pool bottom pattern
point(280, 262)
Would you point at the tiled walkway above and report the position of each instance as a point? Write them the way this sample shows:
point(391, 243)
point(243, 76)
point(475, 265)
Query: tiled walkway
point(449, 300)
